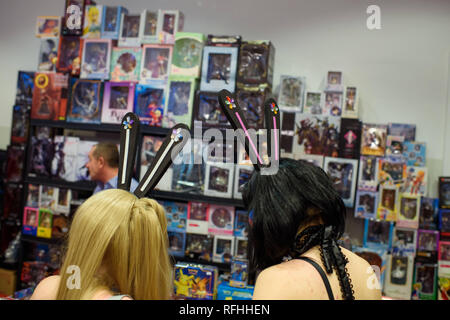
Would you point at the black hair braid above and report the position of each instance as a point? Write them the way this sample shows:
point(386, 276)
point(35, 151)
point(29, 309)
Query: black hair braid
point(330, 253)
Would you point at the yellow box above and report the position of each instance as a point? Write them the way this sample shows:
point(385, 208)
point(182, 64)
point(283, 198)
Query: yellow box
point(7, 282)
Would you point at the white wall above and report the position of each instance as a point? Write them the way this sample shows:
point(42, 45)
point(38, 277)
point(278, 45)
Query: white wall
point(401, 70)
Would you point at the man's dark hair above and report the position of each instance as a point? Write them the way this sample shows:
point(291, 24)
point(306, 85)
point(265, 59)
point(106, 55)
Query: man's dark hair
point(109, 152)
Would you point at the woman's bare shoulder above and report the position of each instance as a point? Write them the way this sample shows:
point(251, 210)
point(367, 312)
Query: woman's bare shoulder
point(46, 289)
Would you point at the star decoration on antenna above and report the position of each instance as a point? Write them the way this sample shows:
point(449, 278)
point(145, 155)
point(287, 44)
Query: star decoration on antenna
point(230, 102)
point(127, 124)
point(274, 108)
point(176, 135)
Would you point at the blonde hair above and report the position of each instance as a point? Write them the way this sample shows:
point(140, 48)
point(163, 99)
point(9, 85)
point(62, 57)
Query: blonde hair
point(126, 236)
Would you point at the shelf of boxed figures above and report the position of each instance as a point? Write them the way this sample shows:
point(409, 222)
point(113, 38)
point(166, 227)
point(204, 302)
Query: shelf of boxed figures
point(222, 267)
point(103, 127)
point(162, 195)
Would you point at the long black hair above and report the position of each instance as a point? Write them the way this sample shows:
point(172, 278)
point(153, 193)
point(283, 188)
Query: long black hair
point(300, 194)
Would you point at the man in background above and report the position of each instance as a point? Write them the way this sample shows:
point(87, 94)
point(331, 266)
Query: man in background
point(103, 167)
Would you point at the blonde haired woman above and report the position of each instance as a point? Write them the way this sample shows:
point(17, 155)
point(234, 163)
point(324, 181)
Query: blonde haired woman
point(119, 245)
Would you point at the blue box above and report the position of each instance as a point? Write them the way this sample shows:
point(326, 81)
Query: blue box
point(241, 223)
point(111, 21)
point(177, 243)
point(226, 292)
point(219, 68)
point(176, 214)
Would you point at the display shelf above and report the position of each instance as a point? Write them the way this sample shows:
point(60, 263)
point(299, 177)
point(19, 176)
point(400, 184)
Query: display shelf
point(78, 185)
point(103, 127)
point(161, 195)
point(179, 196)
point(33, 239)
point(224, 267)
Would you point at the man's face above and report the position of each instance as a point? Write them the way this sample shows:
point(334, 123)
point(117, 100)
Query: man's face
point(94, 165)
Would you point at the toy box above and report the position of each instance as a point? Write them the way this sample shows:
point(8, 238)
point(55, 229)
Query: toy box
point(401, 129)
point(240, 250)
point(408, 211)
point(44, 229)
point(195, 282)
point(176, 214)
point(111, 21)
point(292, 90)
point(65, 157)
point(223, 249)
point(7, 282)
point(415, 153)
point(350, 138)
point(313, 102)
point(399, 277)
point(219, 179)
point(242, 175)
point(93, 15)
point(15, 156)
point(156, 60)
point(118, 100)
point(239, 273)
point(30, 221)
point(404, 242)
point(394, 146)
point(251, 100)
point(198, 217)
point(150, 146)
point(69, 55)
point(373, 139)
point(223, 41)
point(392, 172)
point(48, 55)
point(189, 168)
point(199, 246)
point(24, 89)
point(444, 220)
point(177, 243)
point(416, 181)
point(149, 32)
point(378, 234)
point(207, 113)
point(169, 23)
point(425, 282)
point(179, 101)
point(48, 26)
point(343, 173)
point(72, 22)
point(50, 96)
point(333, 104)
point(366, 204)
point(334, 82)
point(427, 245)
point(125, 63)
point(227, 292)
point(241, 223)
point(221, 220)
point(351, 103)
point(149, 103)
point(187, 54)
point(428, 218)
point(444, 259)
point(444, 192)
point(309, 132)
point(85, 101)
point(20, 124)
point(129, 30)
point(219, 68)
point(388, 205)
point(256, 62)
point(96, 59)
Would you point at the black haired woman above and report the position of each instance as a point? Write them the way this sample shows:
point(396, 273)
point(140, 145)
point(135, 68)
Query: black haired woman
point(296, 218)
